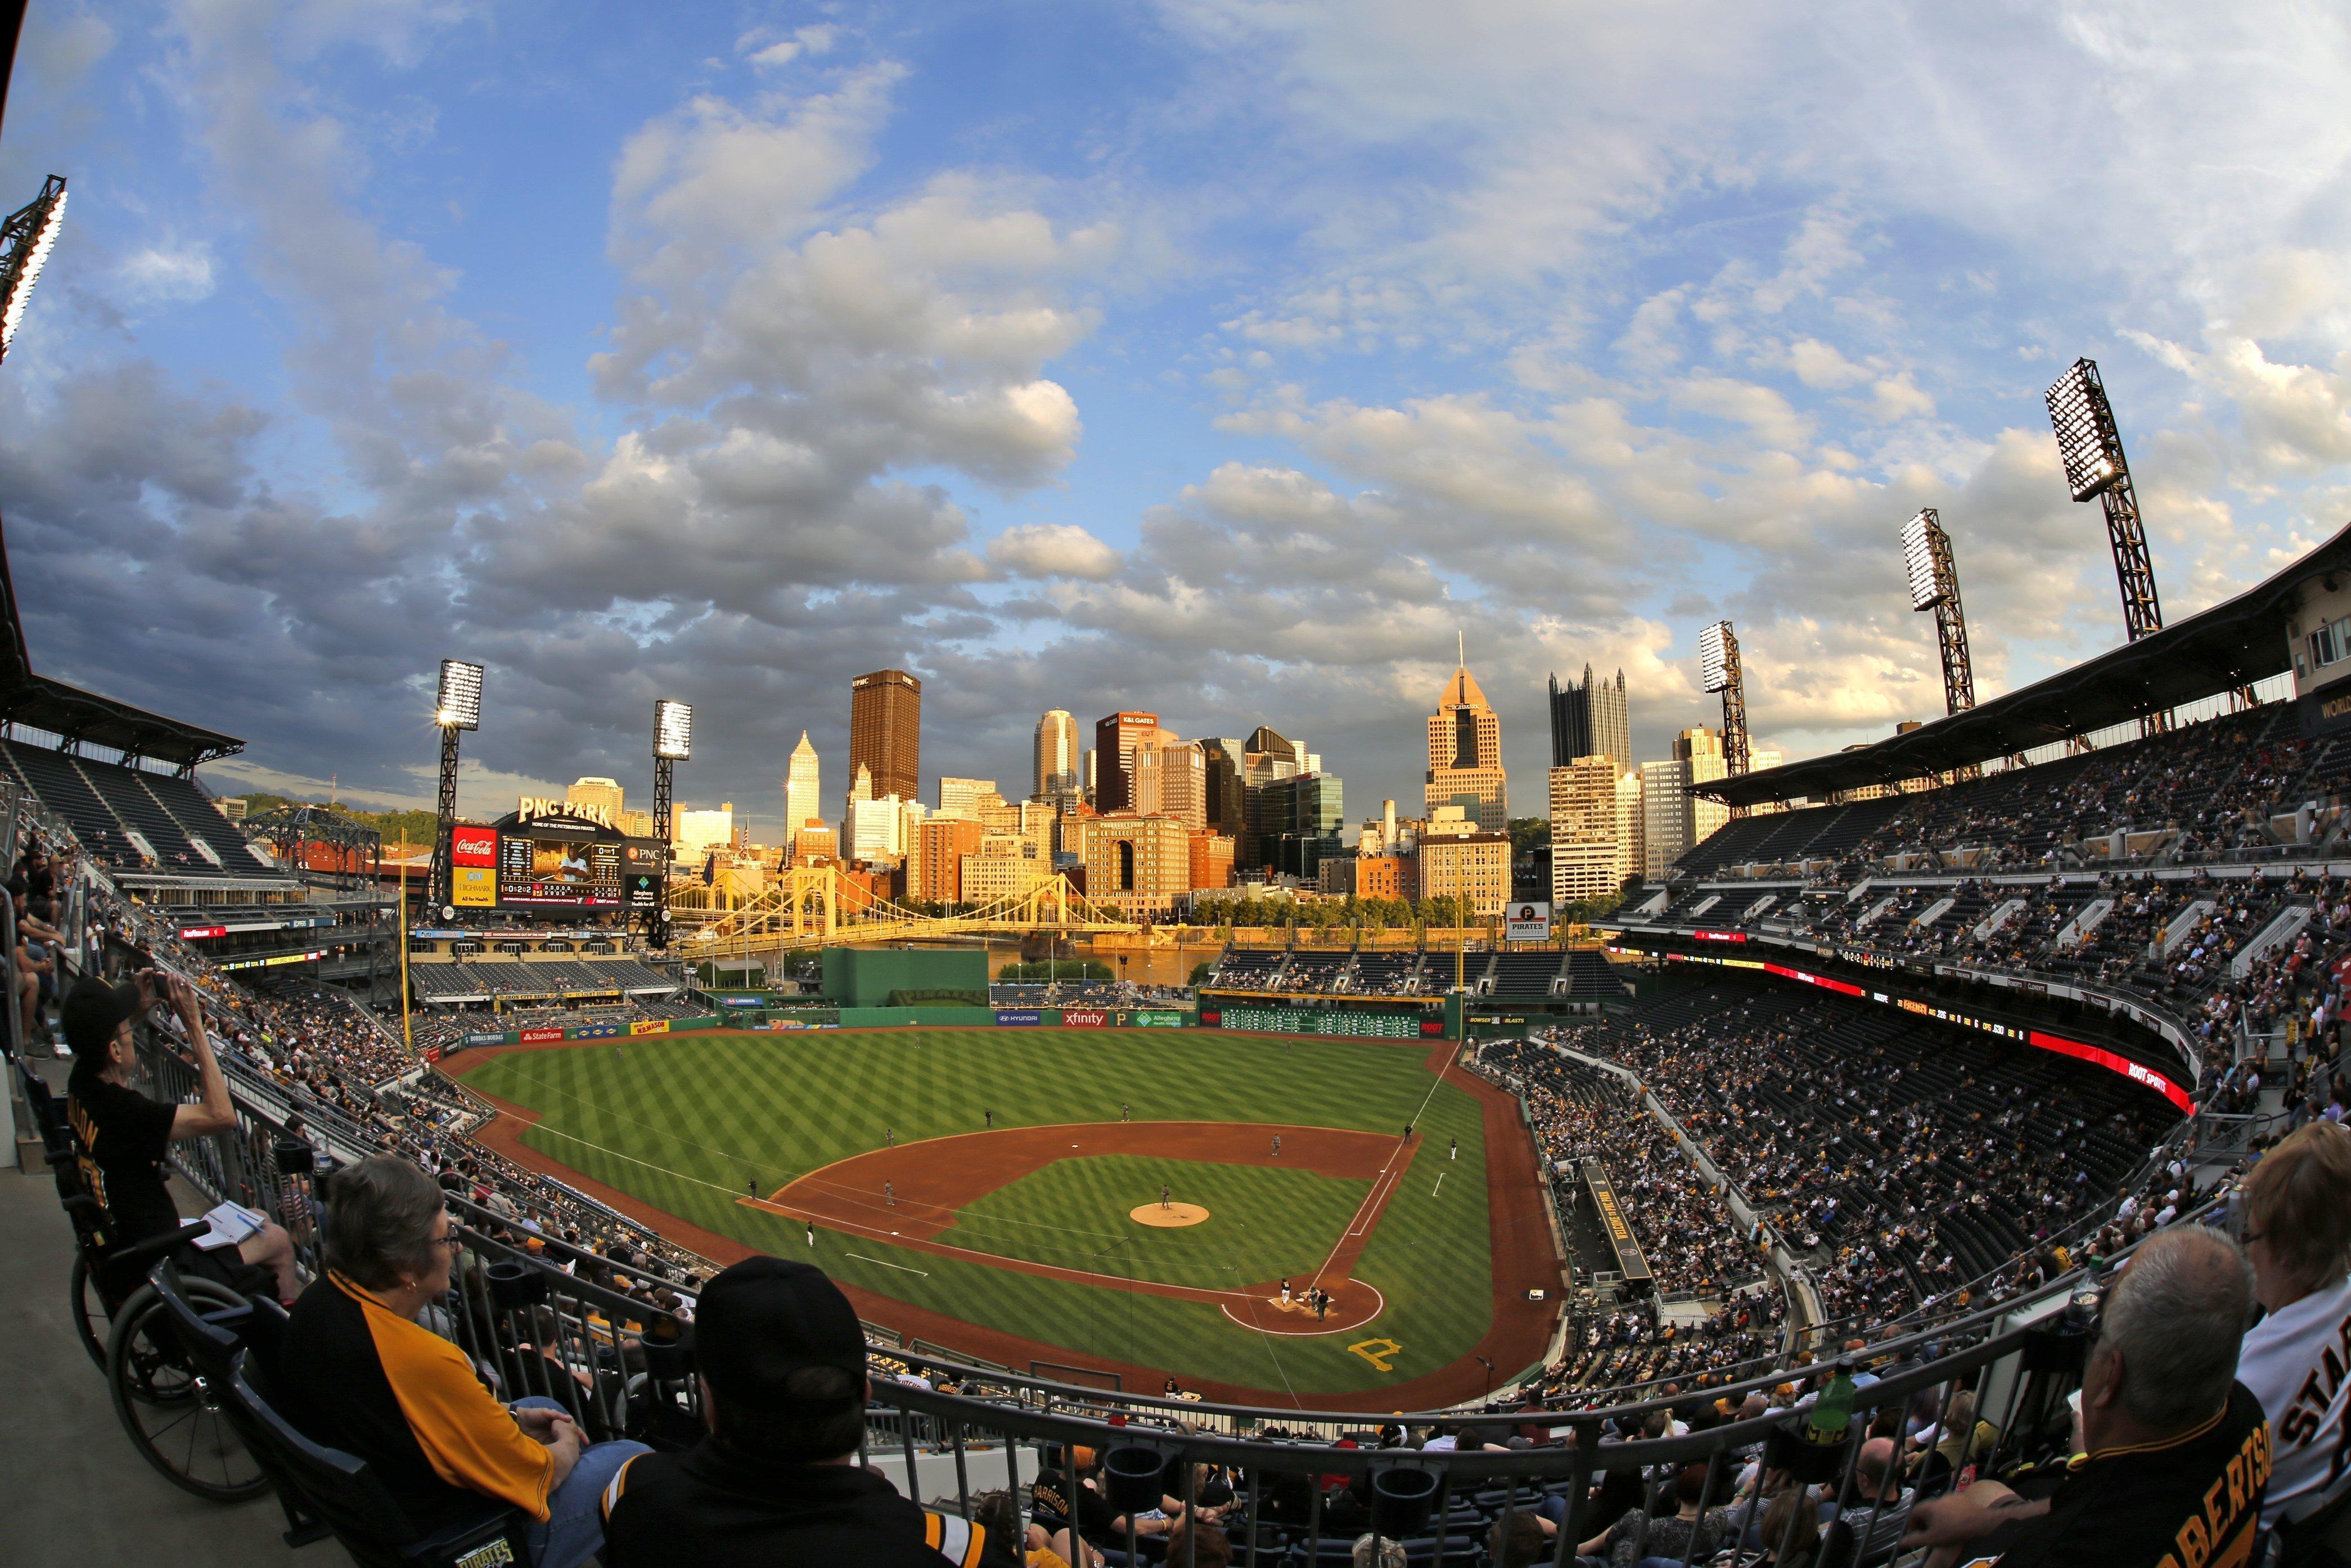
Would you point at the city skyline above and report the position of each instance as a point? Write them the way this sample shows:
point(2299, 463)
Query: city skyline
point(805, 764)
point(640, 356)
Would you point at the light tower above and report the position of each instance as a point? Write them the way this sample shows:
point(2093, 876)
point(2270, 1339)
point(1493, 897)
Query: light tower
point(1935, 585)
point(26, 236)
point(1718, 658)
point(672, 743)
point(2092, 452)
point(458, 708)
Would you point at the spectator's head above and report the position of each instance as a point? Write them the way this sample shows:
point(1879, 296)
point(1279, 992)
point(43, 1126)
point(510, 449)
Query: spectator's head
point(782, 1362)
point(387, 1228)
point(1196, 1544)
point(1690, 1487)
point(2296, 1215)
point(1378, 1551)
point(998, 1513)
point(1791, 1526)
point(97, 1018)
point(1872, 1466)
point(1516, 1540)
point(2167, 1349)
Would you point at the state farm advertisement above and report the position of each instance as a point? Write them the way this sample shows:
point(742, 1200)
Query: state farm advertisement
point(535, 1036)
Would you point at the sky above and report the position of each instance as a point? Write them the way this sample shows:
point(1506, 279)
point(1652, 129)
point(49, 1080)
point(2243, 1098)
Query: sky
point(1223, 360)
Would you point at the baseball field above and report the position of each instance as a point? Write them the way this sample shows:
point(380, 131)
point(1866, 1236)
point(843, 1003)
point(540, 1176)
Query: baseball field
point(1126, 1203)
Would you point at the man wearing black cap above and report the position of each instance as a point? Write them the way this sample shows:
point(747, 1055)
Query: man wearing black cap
point(776, 1481)
point(123, 1135)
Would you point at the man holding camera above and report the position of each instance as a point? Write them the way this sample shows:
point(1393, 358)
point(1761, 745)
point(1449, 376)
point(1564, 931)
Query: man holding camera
point(124, 1135)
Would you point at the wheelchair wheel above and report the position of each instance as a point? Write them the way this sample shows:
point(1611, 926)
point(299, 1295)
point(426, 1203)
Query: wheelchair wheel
point(169, 1411)
point(91, 1320)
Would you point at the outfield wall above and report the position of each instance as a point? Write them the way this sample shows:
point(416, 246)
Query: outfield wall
point(1359, 1022)
point(784, 1020)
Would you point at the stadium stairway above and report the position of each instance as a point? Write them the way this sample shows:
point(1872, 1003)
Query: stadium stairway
point(60, 1442)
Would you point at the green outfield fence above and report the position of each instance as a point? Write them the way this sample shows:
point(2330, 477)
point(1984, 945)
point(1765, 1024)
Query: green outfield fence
point(790, 1020)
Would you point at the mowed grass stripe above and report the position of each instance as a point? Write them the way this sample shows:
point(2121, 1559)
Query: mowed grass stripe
point(1262, 1225)
point(707, 1106)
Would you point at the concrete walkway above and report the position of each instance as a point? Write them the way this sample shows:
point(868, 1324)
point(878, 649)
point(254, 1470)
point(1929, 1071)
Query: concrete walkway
point(82, 1495)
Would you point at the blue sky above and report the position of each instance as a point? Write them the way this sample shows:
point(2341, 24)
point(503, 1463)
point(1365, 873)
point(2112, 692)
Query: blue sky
point(1218, 358)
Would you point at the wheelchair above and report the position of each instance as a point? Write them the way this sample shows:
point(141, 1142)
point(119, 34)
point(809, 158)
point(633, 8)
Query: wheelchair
point(168, 1406)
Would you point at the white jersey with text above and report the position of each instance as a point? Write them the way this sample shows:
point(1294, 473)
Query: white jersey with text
point(2297, 1362)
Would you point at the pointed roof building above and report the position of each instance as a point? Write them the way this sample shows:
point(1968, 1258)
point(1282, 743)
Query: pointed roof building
point(1465, 754)
point(803, 791)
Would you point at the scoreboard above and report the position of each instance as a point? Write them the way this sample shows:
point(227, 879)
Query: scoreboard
point(502, 868)
point(535, 872)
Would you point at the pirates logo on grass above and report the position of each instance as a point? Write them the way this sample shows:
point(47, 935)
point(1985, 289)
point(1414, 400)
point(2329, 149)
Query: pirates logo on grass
point(1377, 1351)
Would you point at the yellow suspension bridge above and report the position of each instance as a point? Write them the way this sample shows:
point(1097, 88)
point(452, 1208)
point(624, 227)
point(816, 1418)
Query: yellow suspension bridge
point(813, 905)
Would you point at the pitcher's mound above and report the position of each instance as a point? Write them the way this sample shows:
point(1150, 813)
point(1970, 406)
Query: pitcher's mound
point(1168, 1214)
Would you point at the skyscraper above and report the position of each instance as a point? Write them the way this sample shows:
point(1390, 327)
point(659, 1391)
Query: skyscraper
point(1225, 803)
point(1702, 750)
point(1115, 738)
point(961, 797)
point(1595, 829)
point(1057, 757)
point(1269, 760)
point(1590, 720)
point(1465, 755)
point(886, 731)
point(802, 800)
point(1184, 783)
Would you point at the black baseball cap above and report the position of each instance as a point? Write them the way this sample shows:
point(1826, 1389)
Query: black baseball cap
point(770, 1331)
point(93, 1010)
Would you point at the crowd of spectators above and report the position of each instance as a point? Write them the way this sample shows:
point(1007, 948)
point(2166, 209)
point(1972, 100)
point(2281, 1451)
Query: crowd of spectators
point(1909, 1168)
point(1680, 1223)
point(2216, 790)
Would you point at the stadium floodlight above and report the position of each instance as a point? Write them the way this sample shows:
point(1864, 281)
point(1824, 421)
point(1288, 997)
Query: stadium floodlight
point(2092, 449)
point(673, 730)
point(1926, 588)
point(460, 702)
point(2087, 438)
point(25, 239)
point(1714, 645)
point(1935, 585)
point(458, 706)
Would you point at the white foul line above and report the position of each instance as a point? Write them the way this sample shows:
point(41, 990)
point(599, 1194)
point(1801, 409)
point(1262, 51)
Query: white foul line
point(1440, 1183)
point(900, 1267)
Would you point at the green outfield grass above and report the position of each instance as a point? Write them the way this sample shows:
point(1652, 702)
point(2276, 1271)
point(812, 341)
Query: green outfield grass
point(688, 1122)
point(1262, 1224)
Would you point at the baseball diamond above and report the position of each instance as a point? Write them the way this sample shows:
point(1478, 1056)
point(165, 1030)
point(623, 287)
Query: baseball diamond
point(977, 1188)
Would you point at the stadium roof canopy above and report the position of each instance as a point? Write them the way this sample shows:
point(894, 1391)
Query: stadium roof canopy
point(2231, 645)
point(85, 717)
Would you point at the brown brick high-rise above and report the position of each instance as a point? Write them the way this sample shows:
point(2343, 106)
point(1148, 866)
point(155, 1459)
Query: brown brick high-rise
point(886, 731)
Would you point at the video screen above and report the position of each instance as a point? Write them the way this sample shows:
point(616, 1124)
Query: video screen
point(535, 872)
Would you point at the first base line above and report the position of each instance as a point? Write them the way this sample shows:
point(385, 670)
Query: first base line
point(861, 1258)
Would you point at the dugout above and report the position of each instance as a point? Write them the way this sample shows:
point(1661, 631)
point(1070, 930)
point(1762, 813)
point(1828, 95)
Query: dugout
point(872, 977)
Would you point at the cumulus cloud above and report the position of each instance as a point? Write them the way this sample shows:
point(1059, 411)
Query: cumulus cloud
point(1565, 328)
point(1052, 549)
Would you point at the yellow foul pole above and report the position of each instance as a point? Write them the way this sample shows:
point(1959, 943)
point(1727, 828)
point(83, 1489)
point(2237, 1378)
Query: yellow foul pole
point(407, 1034)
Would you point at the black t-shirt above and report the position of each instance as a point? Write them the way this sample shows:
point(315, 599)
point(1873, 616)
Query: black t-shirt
point(1096, 1517)
point(712, 1505)
point(2196, 1499)
point(124, 1136)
